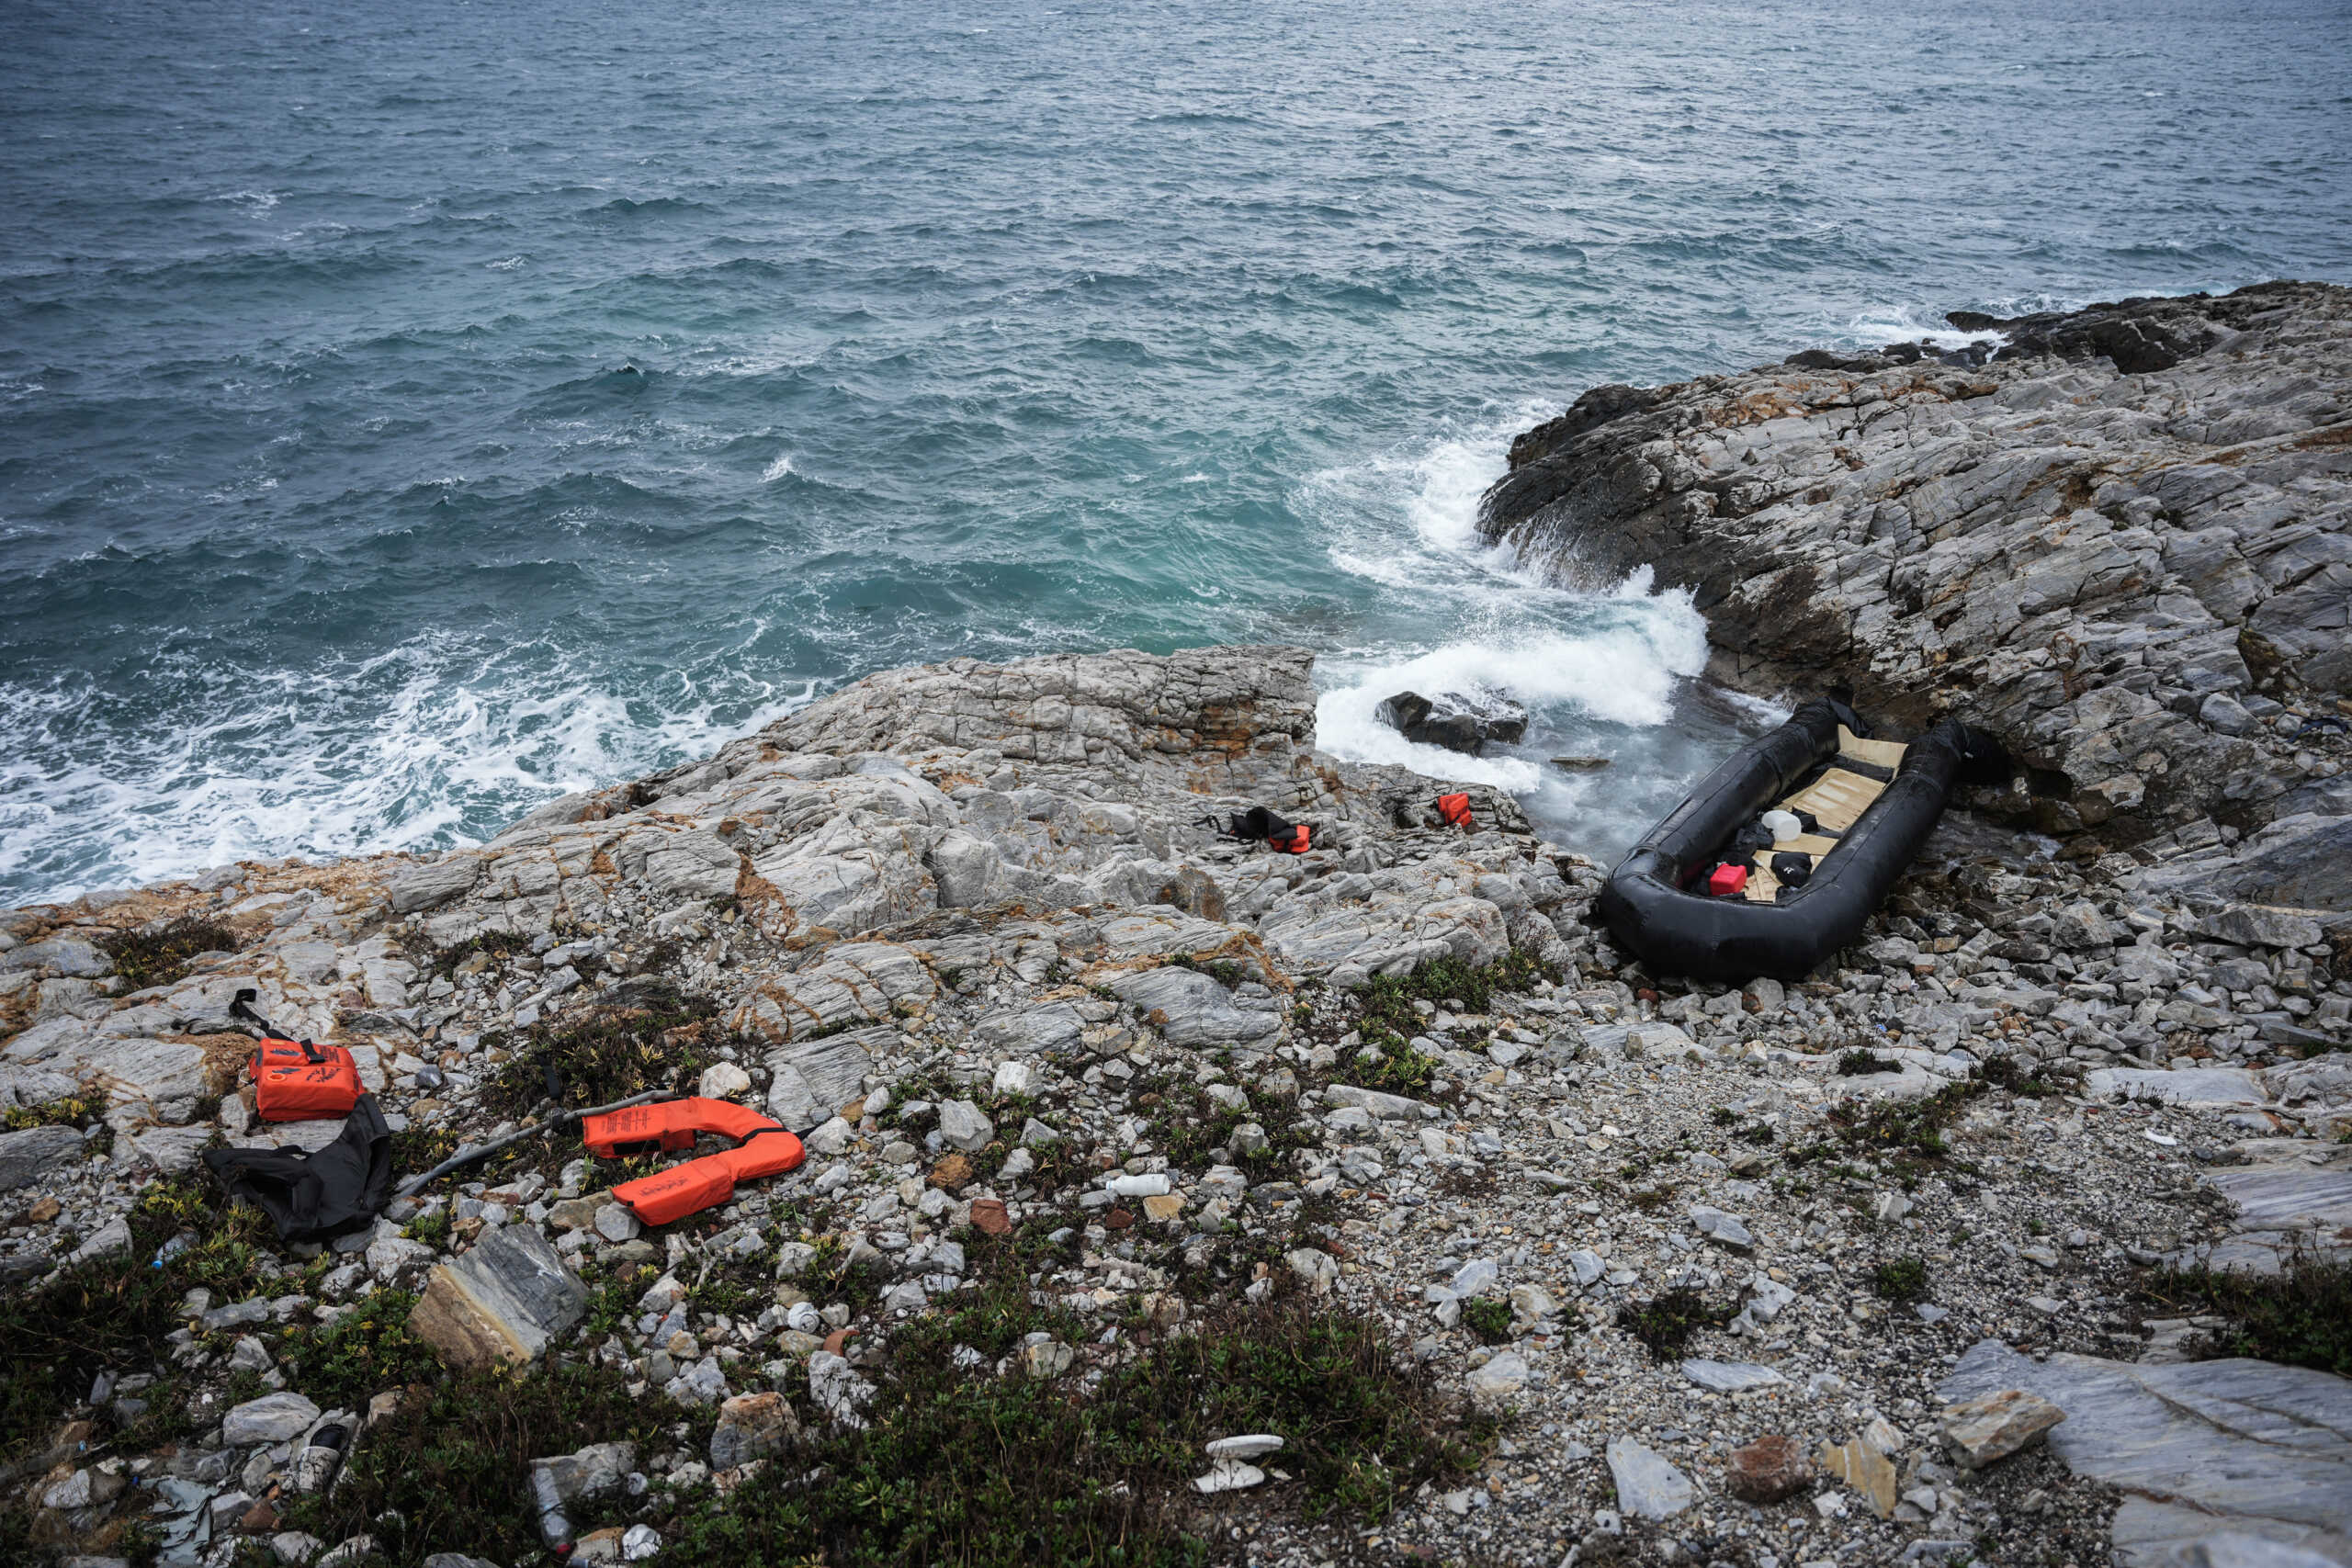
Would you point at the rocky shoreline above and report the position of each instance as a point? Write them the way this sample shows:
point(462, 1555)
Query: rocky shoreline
point(1096, 1100)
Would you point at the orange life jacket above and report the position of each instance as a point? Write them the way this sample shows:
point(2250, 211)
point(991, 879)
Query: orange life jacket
point(293, 1080)
point(297, 1081)
point(763, 1148)
point(1455, 809)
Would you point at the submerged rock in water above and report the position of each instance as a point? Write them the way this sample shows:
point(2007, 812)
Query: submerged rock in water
point(1459, 721)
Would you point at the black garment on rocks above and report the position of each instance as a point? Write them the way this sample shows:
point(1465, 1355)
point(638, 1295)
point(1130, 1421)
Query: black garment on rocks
point(1254, 824)
point(316, 1197)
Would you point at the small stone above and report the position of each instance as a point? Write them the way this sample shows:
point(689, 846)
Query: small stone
point(723, 1080)
point(1249, 1446)
point(615, 1223)
point(1504, 1374)
point(1730, 1376)
point(272, 1418)
point(752, 1426)
point(1011, 1077)
point(1649, 1486)
point(963, 1126)
point(1768, 1469)
point(1048, 1358)
point(1720, 1228)
point(1318, 1268)
point(1228, 1475)
point(1864, 1469)
point(989, 1214)
point(1163, 1206)
point(951, 1173)
point(584, 1474)
point(1981, 1431)
point(1474, 1277)
point(836, 1388)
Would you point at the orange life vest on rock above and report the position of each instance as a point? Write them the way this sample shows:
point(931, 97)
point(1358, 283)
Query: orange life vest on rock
point(293, 1080)
point(297, 1081)
point(1279, 833)
point(1455, 809)
point(763, 1148)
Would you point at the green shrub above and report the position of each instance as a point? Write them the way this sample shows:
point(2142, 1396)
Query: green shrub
point(161, 956)
point(1900, 1279)
point(1488, 1317)
point(2301, 1316)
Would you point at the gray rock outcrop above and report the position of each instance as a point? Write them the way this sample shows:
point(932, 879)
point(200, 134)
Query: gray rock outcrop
point(2201, 1449)
point(2120, 546)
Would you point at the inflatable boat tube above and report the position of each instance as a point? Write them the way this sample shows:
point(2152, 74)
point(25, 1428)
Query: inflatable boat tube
point(1873, 803)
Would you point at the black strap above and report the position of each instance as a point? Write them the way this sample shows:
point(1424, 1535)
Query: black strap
point(241, 1006)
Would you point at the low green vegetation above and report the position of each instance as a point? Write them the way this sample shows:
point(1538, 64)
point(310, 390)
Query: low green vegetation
point(112, 1313)
point(451, 1463)
point(1664, 1323)
point(1488, 1317)
point(648, 1035)
point(959, 1465)
point(1900, 1279)
point(2301, 1316)
point(1911, 1128)
point(69, 1110)
point(364, 1352)
point(161, 956)
point(1858, 1063)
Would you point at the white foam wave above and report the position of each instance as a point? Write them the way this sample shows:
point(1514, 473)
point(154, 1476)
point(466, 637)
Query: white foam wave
point(1409, 523)
point(427, 745)
point(1624, 673)
point(1875, 326)
point(777, 470)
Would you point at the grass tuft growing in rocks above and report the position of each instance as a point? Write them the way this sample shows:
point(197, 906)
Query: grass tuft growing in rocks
point(651, 1035)
point(1913, 1127)
point(961, 1465)
point(451, 1463)
point(2302, 1315)
point(159, 957)
point(1488, 1317)
point(366, 1350)
point(68, 1111)
point(1664, 1323)
point(111, 1312)
point(1900, 1279)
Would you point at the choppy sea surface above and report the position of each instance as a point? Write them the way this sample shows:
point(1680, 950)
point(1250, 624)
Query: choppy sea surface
point(408, 412)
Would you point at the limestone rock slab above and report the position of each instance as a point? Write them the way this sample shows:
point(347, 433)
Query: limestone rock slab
point(500, 1305)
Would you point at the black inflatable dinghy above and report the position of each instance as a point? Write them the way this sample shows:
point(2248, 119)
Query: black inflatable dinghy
point(1782, 903)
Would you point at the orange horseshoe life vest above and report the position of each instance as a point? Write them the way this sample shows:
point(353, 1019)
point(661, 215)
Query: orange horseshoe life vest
point(763, 1148)
point(1455, 809)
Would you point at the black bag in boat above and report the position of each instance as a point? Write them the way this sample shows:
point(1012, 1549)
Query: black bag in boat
point(1684, 932)
point(316, 1197)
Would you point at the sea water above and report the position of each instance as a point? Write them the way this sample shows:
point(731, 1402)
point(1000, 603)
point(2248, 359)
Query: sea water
point(411, 412)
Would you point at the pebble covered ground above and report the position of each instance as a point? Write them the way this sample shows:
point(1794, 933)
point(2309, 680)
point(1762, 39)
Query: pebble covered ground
point(1618, 1227)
